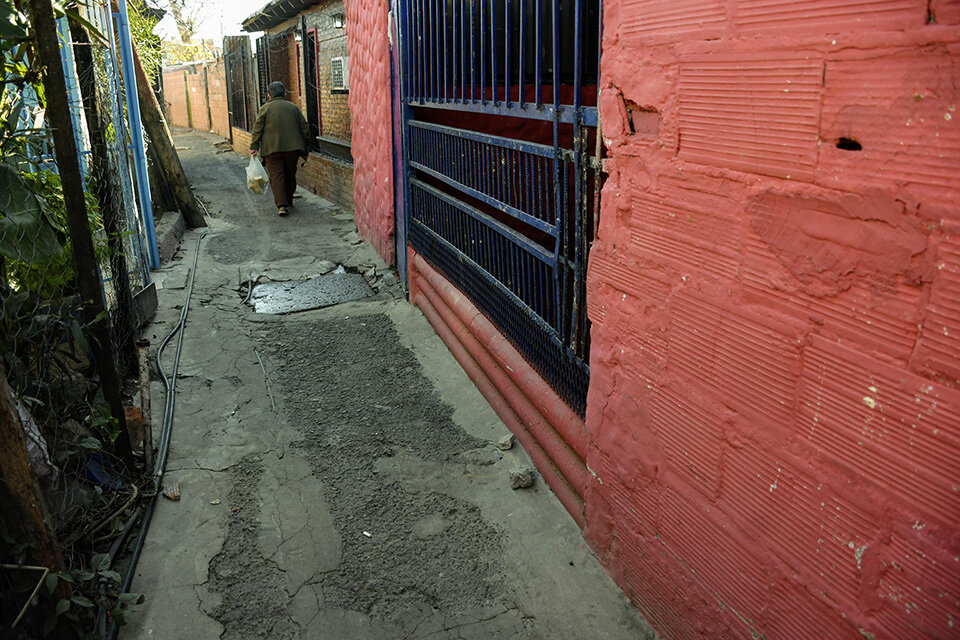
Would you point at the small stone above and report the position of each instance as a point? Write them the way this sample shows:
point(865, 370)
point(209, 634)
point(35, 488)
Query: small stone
point(506, 442)
point(325, 266)
point(172, 492)
point(353, 238)
point(389, 280)
point(521, 478)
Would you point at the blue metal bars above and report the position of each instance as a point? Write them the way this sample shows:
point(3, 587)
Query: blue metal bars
point(479, 56)
point(498, 182)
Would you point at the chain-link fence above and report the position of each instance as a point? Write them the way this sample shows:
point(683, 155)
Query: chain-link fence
point(51, 355)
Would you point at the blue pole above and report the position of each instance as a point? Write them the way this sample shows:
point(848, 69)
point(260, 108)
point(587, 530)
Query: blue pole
point(73, 93)
point(136, 133)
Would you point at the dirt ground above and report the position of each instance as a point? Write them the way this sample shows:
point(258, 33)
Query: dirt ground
point(350, 486)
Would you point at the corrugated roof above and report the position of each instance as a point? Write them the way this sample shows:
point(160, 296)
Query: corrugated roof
point(276, 12)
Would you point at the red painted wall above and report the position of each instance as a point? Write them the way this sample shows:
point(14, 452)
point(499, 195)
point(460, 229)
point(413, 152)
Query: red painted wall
point(175, 97)
point(175, 83)
point(775, 388)
point(371, 123)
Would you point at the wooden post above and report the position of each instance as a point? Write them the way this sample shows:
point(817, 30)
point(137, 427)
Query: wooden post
point(156, 127)
point(24, 509)
point(78, 225)
point(160, 191)
point(125, 326)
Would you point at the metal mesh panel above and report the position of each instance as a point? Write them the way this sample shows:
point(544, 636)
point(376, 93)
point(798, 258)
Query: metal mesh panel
point(502, 204)
point(538, 344)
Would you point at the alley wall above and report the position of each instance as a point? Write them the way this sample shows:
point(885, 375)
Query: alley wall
point(195, 96)
point(775, 296)
point(372, 124)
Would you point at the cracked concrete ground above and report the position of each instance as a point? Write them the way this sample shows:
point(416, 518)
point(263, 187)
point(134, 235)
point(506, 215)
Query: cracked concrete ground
point(366, 499)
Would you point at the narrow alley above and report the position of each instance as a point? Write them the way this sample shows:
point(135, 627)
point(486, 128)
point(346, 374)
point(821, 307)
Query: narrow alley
point(339, 474)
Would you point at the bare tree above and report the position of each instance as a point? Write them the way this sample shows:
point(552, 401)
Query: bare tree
point(188, 14)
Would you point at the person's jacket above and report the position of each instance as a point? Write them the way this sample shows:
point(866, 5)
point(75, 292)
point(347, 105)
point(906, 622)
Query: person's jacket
point(280, 127)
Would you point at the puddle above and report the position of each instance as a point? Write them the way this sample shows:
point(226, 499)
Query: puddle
point(303, 295)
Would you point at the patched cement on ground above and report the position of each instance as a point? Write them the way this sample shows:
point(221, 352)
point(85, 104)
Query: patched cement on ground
point(314, 293)
point(377, 430)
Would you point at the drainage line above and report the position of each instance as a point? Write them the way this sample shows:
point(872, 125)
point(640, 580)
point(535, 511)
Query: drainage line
point(166, 427)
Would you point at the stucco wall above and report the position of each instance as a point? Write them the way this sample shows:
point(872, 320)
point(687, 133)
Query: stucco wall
point(371, 122)
point(774, 397)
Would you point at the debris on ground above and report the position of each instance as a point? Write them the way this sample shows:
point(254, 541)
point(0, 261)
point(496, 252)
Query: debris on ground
point(506, 442)
point(172, 492)
point(325, 266)
point(521, 478)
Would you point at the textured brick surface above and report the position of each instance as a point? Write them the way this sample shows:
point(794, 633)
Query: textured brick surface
point(775, 298)
point(175, 97)
point(371, 124)
point(332, 42)
point(206, 109)
point(329, 178)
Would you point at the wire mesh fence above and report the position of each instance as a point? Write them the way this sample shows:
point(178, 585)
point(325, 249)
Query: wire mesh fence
point(50, 355)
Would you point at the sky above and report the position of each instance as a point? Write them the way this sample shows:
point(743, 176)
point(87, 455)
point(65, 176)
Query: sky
point(220, 18)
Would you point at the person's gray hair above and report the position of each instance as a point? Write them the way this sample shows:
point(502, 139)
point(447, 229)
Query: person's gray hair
point(276, 90)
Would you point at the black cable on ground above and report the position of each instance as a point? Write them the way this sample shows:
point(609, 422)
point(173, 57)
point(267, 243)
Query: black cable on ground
point(166, 428)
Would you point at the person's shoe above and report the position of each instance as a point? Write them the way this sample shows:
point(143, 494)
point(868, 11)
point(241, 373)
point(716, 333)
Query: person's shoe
point(281, 211)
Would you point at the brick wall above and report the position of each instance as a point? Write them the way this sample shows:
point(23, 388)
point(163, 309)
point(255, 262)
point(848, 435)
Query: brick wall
point(175, 96)
point(328, 178)
point(199, 109)
point(331, 43)
point(775, 292)
point(241, 141)
point(217, 87)
point(204, 79)
point(372, 125)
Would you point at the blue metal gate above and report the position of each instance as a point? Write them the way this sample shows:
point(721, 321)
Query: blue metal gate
point(500, 189)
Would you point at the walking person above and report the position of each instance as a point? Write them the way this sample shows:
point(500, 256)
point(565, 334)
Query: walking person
point(280, 136)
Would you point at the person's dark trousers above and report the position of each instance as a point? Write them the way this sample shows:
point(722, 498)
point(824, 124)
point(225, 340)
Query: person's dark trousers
point(282, 167)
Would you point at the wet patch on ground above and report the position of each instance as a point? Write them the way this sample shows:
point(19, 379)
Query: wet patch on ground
point(372, 429)
point(315, 293)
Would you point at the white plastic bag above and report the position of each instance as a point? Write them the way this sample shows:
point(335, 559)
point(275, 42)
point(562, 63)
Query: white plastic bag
point(257, 177)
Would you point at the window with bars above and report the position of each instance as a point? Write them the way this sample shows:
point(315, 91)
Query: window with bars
point(339, 74)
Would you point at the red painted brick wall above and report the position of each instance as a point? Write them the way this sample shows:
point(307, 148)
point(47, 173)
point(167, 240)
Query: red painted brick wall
point(175, 96)
point(217, 86)
point(175, 83)
point(371, 122)
point(775, 387)
point(199, 111)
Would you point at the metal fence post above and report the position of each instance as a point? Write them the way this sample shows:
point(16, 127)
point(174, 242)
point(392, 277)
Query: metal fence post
point(107, 191)
point(85, 260)
point(136, 134)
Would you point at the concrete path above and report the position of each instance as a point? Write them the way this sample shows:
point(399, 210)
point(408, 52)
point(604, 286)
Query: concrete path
point(371, 502)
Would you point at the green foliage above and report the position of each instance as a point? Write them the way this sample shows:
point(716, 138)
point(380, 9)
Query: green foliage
point(80, 610)
point(33, 233)
point(148, 43)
